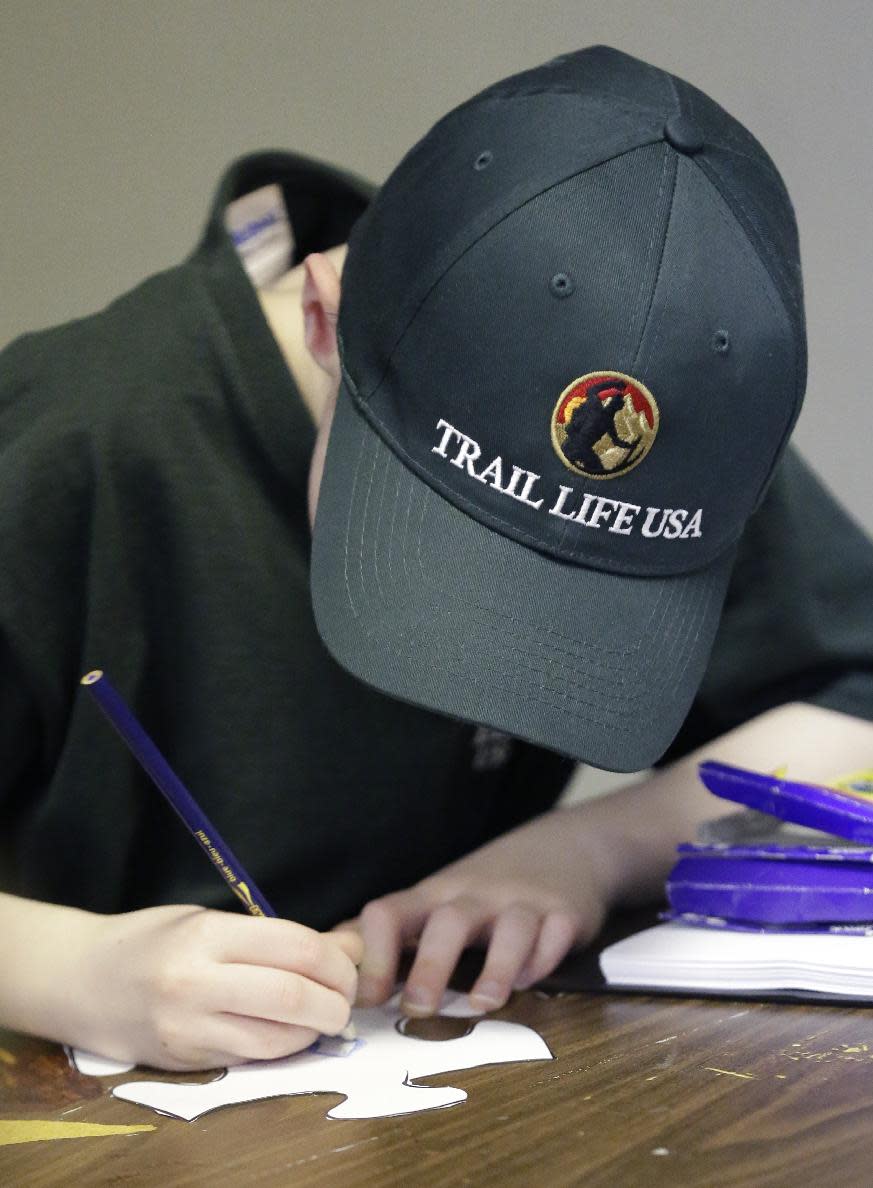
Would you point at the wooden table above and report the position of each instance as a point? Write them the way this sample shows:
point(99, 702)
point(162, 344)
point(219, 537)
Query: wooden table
point(642, 1091)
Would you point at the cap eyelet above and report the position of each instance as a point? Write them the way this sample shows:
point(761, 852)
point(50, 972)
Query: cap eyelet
point(561, 284)
point(721, 342)
point(483, 160)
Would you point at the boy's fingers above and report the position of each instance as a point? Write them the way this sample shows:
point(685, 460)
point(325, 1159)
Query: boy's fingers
point(513, 939)
point(350, 941)
point(448, 931)
point(382, 925)
point(284, 945)
point(557, 936)
point(277, 996)
point(353, 925)
point(239, 1039)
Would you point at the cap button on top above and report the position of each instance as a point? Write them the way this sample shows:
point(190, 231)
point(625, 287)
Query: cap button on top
point(683, 134)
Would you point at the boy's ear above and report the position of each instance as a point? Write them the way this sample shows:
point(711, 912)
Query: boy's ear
point(321, 298)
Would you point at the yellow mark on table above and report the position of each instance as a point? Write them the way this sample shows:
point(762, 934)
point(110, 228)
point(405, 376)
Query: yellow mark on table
point(849, 1052)
point(726, 1072)
point(39, 1131)
point(6, 1057)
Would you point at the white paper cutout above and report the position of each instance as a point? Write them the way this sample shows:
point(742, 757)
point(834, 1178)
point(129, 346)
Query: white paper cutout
point(453, 1006)
point(456, 1006)
point(97, 1066)
point(375, 1077)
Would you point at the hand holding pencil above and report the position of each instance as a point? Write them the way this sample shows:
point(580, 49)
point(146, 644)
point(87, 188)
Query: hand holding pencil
point(183, 987)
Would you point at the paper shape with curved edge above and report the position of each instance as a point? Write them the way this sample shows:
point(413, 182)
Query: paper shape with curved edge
point(453, 1006)
point(375, 1077)
point(91, 1065)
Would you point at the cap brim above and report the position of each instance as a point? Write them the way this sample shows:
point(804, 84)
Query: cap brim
point(423, 602)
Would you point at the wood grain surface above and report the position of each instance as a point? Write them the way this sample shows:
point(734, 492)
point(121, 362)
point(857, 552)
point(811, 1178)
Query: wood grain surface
point(642, 1091)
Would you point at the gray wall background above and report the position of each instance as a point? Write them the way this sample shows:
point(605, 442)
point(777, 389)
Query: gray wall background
point(117, 117)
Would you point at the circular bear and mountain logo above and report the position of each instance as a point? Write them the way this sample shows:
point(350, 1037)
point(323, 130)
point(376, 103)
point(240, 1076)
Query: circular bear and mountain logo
point(604, 424)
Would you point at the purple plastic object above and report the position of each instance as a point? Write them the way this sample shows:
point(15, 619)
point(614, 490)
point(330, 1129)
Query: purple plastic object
point(752, 885)
point(756, 890)
point(804, 804)
point(817, 853)
point(698, 921)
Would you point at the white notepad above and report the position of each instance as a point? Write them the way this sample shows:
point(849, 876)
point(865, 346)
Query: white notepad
point(682, 957)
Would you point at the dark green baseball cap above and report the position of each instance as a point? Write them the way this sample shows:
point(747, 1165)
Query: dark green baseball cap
point(573, 349)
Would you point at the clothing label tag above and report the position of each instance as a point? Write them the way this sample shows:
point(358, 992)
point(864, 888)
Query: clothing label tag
point(259, 227)
point(491, 749)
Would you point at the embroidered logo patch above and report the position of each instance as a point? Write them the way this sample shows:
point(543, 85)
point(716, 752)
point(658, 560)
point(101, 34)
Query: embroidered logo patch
point(604, 424)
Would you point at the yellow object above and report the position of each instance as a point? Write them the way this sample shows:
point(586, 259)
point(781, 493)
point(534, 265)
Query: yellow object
point(38, 1131)
point(856, 783)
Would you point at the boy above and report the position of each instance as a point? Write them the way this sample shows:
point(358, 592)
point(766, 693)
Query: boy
point(554, 396)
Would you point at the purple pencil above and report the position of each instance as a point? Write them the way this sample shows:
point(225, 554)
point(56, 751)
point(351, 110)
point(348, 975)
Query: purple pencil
point(153, 762)
point(163, 776)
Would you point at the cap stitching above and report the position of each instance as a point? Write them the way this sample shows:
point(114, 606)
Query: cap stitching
point(514, 664)
point(730, 132)
point(601, 661)
point(378, 523)
point(659, 324)
point(410, 500)
point(644, 267)
point(425, 576)
point(511, 618)
point(582, 711)
point(348, 526)
point(763, 162)
point(604, 658)
point(391, 576)
point(651, 306)
point(551, 694)
point(368, 601)
point(453, 263)
point(677, 98)
point(496, 611)
point(563, 695)
point(718, 181)
point(614, 99)
point(601, 667)
point(739, 234)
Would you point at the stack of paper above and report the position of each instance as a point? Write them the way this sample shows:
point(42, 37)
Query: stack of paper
point(682, 957)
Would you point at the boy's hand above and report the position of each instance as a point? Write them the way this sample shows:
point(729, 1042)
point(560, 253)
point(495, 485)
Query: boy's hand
point(527, 897)
point(532, 894)
point(186, 988)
